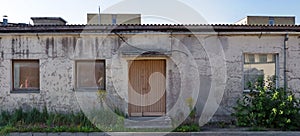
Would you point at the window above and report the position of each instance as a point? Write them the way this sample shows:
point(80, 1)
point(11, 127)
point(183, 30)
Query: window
point(114, 19)
point(263, 58)
point(259, 58)
point(26, 75)
point(90, 75)
point(263, 69)
point(271, 21)
point(249, 58)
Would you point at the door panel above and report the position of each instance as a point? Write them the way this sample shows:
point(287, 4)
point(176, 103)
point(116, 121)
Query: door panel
point(147, 83)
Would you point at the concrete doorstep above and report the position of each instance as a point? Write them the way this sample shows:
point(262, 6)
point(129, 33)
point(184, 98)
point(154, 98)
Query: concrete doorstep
point(205, 133)
point(148, 122)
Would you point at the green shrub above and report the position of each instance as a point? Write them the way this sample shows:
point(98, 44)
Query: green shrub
point(17, 116)
point(192, 117)
point(107, 120)
point(5, 130)
point(268, 107)
point(119, 112)
point(34, 116)
point(4, 118)
point(188, 128)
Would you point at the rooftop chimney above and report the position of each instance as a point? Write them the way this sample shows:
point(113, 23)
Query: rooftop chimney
point(48, 21)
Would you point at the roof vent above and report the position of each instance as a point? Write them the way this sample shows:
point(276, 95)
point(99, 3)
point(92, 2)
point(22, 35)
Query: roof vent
point(48, 21)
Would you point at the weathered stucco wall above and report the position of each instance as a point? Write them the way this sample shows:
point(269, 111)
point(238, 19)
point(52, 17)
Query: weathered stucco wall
point(191, 70)
point(293, 63)
point(234, 47)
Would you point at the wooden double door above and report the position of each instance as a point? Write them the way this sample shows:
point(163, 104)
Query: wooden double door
point(147, 88)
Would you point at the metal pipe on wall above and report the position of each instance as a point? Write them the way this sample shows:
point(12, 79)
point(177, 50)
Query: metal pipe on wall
point(286, 38)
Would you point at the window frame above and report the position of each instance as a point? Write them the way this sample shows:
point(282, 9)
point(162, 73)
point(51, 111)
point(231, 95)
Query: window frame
point(89, 89)
point(18, 90)
point(277, 69)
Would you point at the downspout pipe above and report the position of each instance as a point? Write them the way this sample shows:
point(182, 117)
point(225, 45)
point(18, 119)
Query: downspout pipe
point(286, 38)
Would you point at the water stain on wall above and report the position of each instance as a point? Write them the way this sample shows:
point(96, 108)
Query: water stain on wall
point(1, 50)
point(13, 46)
point(50, 48)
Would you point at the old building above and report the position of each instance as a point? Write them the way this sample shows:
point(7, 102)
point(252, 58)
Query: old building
point(145, 70)
point(48, 21)
point(271, 20)
point(113, 18)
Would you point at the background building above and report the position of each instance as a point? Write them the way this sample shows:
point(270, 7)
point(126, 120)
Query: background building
point(48, 21)
point(114, 18)
point(272, 20)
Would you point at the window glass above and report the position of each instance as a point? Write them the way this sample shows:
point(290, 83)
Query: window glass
point(249, 58)
point(26, 75)
point(263, 70)
point(90, 74)
point(263, 58)
point(271, 58)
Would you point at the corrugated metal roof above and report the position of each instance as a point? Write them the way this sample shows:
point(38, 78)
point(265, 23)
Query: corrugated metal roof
point(74, 28)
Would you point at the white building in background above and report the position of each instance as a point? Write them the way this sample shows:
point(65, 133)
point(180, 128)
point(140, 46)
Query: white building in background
point(113, 18)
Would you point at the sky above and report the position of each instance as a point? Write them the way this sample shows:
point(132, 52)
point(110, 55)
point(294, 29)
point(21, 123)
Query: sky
point(153, 11)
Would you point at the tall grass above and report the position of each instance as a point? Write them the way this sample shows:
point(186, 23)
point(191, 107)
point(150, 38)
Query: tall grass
point(35, 120)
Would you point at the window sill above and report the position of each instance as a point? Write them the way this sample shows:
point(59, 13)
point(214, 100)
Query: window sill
point(25, 91)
